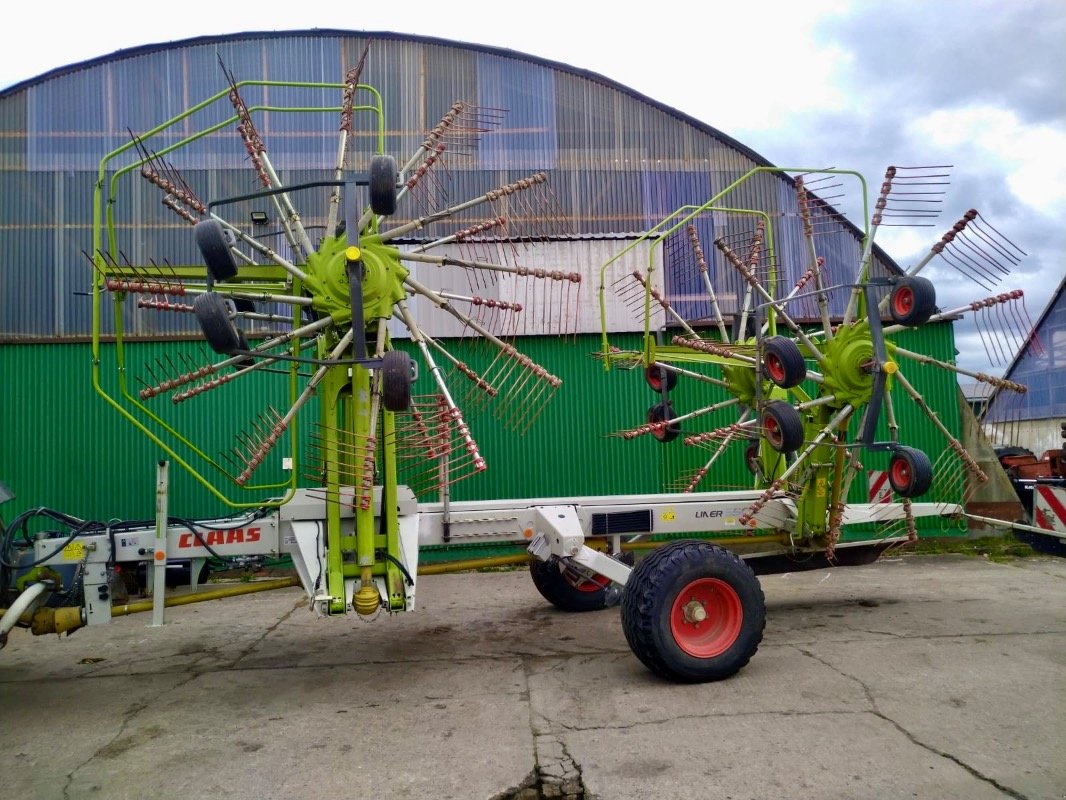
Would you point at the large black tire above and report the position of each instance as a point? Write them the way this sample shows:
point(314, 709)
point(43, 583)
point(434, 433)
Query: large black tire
point(783, 362)
point(782, 426)
point(666, 595)
point(662, 412)
point(569, 590)
point(910, 472)
point(383, 185)
point(396, 380)
point(657, 377)
point(912, 300)
point(214, 247)
point(218, 328)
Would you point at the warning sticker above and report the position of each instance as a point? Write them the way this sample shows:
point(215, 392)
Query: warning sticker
point(75, 551)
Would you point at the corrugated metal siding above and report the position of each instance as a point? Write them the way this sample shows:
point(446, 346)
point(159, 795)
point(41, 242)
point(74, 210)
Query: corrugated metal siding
point(65, 448)
point(618, 163)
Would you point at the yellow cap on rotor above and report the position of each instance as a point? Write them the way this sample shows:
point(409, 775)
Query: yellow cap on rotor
point(353, 253)
point(890, 367)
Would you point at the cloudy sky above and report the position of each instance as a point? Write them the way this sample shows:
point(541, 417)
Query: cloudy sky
point(976, 84)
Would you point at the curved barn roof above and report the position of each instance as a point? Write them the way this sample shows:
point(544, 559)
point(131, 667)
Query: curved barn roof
point(619, 161)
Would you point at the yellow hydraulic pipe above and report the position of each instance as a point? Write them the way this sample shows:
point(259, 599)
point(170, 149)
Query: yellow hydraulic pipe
point(473, 563)
point(213, 594)
point(523, 558)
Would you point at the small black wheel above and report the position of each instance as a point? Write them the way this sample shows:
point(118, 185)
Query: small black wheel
point(569, 589)
point(782, 426)
point(396, 380)
point(693, 612)
point(213, 316)
point(912, 301)
point(783, 362)
point(910, 472)
point(659, 416)
point(214, 247)
point(383, 185)
point(657, 377)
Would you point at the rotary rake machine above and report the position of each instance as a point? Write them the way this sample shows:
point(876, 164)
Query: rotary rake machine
point(327, 316)
point(327, 292)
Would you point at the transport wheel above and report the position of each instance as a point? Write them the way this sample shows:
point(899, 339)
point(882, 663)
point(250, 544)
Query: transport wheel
point(568, 589)
point(218, 328)
point(214, 247)
point(912, 301)
point(784, 362)
point(662, 412)
point(383, 185)
point(783, 426)
point(396, 380)
point(653, 375)
point(693, 612)
point(910, 472)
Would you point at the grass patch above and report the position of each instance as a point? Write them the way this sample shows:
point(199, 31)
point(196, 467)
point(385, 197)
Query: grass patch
point(994, 548)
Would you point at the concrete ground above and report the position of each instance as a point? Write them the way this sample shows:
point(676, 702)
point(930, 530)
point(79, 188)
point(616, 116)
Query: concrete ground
point(914, 677)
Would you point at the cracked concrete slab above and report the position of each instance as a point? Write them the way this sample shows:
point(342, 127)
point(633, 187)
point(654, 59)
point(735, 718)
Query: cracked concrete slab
point(912, 677)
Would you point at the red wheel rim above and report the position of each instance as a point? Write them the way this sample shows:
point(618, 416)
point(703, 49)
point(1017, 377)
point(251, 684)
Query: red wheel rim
point(655, 381)
point(773, 430)
point(706, 618)
point(900, 473)
point(775, 368)
point(583, 584)
point(903, 301)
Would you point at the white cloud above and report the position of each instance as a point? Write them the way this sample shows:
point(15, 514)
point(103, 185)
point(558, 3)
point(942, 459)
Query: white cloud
point(1033, 157)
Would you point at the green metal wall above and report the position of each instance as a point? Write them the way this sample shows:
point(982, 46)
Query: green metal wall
point(65, 448)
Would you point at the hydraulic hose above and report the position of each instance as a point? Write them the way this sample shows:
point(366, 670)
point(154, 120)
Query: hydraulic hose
point(23, 603)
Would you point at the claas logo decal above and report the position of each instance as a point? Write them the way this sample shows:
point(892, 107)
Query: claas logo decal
point(213, 538)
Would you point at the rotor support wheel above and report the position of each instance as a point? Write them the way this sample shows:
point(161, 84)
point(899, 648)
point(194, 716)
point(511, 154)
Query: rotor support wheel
point(782, 426)
point(912, 300)
point(659, 417)
point(783, 362)
point(396, 379)
point(910, 472)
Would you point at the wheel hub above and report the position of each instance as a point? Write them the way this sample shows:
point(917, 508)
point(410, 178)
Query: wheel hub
point(706, 617)
point(694, 612)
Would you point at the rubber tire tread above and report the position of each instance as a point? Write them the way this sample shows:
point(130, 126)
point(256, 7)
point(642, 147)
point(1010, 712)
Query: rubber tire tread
point(396, 380)
point(215, 249)
point(789, 422)
point(383, 185)
point(652, 376)
point(924, 305)
point(554, 588)
point(921, 472)
point(649, 596)
point(219, 331)
point(788, 353)
point(662, 412)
